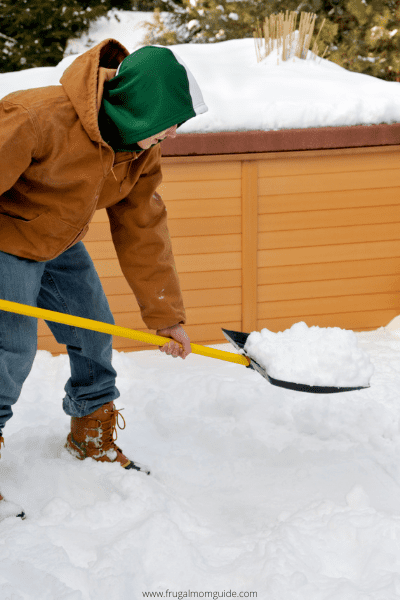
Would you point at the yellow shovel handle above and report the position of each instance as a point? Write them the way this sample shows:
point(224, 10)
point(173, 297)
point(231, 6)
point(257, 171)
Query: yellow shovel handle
point(141, 336)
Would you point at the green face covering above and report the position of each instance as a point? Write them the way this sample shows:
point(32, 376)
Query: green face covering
point(153, 90)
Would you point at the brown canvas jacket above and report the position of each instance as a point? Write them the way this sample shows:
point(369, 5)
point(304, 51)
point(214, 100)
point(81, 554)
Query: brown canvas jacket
point(56, 171)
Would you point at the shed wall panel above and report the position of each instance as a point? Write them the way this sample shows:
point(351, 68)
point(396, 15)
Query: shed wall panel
point(307, 235)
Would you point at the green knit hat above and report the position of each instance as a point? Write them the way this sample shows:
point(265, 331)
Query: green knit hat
point(152, 91)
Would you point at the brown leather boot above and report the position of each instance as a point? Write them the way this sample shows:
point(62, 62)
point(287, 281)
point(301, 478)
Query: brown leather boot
point(94, 436)
point(9, 509)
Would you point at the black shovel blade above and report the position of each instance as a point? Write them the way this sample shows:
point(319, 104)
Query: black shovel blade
point(238, 340)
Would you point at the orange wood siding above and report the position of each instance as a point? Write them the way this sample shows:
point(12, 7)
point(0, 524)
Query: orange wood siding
point(266, 240)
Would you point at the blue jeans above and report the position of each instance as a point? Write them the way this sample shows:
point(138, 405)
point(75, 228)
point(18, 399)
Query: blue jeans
point(67, 284)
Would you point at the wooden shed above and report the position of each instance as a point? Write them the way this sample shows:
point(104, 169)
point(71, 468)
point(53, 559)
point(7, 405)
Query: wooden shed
point(272, 228)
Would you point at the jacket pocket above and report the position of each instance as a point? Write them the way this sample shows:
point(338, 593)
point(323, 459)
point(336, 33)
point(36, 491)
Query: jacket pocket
point(39, 239)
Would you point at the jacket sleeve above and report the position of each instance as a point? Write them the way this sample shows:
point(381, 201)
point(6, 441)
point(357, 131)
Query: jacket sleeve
point(18, 143)
point(143, 245)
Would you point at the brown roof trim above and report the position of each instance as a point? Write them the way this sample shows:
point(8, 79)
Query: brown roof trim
point(237, 142)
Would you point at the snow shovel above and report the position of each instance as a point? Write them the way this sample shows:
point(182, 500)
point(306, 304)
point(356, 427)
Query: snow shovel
point(238, 340)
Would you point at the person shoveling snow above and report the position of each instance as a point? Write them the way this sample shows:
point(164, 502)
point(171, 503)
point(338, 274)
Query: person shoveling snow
point(65, 152)
point(311, 355)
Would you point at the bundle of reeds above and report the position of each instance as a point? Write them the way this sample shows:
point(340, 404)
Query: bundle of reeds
point(279, 31)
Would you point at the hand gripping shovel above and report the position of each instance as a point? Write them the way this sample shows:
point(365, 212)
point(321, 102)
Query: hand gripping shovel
point(238, 340)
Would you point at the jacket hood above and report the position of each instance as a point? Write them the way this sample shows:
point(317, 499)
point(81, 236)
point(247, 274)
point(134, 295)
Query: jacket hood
point(153, 90)
point(80, 81)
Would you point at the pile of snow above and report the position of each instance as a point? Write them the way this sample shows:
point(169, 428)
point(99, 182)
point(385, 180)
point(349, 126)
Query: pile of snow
point(241, 93)
point(326, 356)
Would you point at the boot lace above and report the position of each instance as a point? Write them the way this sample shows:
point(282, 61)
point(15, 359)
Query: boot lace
point(109, 429)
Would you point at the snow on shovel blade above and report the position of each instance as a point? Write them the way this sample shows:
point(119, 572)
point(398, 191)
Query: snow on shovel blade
point(238, 340)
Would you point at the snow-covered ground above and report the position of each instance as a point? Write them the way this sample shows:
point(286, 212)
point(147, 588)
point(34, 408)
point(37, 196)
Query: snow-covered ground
point(254, 489)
